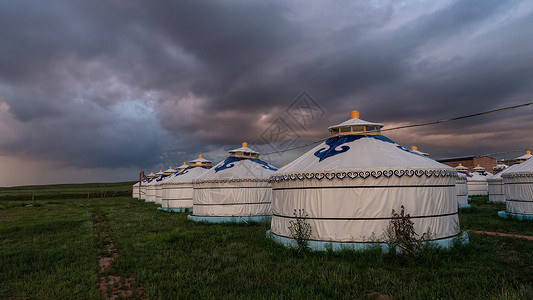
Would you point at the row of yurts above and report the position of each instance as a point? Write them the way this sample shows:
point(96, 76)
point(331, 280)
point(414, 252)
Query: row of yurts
point(346, 187)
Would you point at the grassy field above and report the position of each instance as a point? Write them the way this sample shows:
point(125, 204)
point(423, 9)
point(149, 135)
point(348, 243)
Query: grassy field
point(52, 248)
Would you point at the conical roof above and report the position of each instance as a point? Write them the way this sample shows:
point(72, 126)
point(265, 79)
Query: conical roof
point(169, 171)
point(525, 156)
point(460, 167)
point(478, 169)
point(237, 166)
point(498, 176)
point(348, 151)
point(196, 168)
point(160, 173)
point(475, 177)
point(522, 168)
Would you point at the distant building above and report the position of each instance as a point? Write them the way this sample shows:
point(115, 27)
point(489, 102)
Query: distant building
point(471, 162)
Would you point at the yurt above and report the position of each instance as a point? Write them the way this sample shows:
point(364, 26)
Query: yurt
point(144, 183)
point(495, 186)
point(499, 167)
point(235, 190)
point(347, 187)
point(164, 204)
point(461, 189)
point(415, 150)
point(178, 190)
point(481, 171)
point(135, 193)
point(159, 188)
point(518, 187)
point(524, 157)
point(151, 187)
point(477, 184)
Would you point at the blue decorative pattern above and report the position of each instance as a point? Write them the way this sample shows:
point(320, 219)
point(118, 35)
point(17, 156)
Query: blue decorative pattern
point(339, 141)
point(363, 174)
point(230, 162)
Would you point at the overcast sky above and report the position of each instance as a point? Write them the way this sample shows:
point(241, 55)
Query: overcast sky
point(97, 90)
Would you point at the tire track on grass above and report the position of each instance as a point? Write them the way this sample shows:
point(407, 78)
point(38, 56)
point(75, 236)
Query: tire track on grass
point(111, 286)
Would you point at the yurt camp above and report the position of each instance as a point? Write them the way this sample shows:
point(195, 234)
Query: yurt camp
point(518, 187)
point(347, 188)
point(151, 187)
point(235, 190)
point(178, 190)
point(495, 186)
point(159, 185)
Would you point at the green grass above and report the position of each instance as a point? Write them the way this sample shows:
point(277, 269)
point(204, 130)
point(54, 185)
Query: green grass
point(50, 251)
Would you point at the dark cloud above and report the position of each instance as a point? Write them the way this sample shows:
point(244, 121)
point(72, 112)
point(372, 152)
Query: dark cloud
point(139, 84)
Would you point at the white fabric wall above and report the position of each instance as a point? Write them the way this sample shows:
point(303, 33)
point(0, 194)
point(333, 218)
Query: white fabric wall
point(143, 192)
point(177, 195)
point(519, 193)
point(158, 193)
point(462, 191)
point(495, 189)
point(150, 193)
point(355, 210)
point(135, 191)
point(245, 198)
point(477, 188)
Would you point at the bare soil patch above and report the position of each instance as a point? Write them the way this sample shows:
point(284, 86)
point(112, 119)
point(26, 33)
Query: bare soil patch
point(519, 236)
point(111, 286)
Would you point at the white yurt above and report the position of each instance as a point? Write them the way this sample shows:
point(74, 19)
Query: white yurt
point(159, 187)
point(481, 171)
point(477, 184)
point(151, 187)
point(235, 190)
point(495, 188)
point(148, 179)
point(164, 203)
point(518, 187)
point(178, 190)
point(347, 187)
point(461, 189)
point(524, 157)
point(135, 193)
point(415, 150)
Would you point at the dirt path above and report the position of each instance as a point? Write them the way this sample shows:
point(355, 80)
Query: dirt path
point(527, 237)
point(111, 286)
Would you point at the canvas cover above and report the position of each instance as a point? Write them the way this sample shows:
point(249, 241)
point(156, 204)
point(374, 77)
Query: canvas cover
point(461, 189)
point(348, 186)
point(477, 184)
point(518, 187)
point(177, 190)
point(234, 187)
point(495, 186)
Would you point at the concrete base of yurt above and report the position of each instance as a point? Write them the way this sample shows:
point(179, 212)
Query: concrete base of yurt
point(507, 215)
point(240, 219)
point(445, 243)
point(465, 206)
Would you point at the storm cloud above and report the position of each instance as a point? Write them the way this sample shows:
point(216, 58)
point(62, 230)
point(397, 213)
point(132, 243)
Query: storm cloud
point(113, 85)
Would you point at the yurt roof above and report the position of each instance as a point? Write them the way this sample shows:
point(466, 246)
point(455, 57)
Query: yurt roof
point(187, 175)
point(239, 167)
point(200, 160)
point(354, 120)
point(360, 151)
point(478, 168)
point(159, 173)
point(169, 171)
point(525, 156)
point(525, 167)
point(475, 177)
point(244, 149)
point(461, 168)
point(184, 166)
point(498, 176)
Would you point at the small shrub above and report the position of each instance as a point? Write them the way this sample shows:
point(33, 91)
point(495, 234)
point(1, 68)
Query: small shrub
point(402, 236)
point(300, 230)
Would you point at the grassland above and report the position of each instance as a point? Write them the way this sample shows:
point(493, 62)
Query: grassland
point(50, 250)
